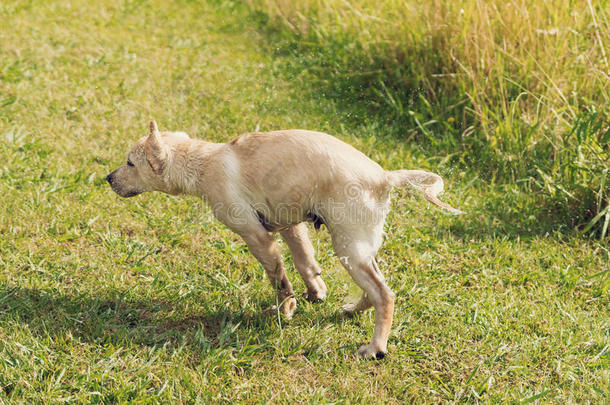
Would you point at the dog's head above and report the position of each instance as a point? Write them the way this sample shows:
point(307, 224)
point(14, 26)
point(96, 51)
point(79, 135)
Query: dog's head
point(147, 164)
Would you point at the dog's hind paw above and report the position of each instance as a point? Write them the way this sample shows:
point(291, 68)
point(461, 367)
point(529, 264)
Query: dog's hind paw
point(350, 308)
point(288, 307)
point(371, 352)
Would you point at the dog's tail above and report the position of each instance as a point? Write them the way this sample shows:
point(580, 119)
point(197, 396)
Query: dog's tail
point(429, 183)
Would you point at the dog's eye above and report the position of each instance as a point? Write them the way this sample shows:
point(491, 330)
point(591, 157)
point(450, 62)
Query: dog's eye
point(129, 163)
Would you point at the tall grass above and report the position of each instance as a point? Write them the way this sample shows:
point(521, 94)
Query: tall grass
point(517, 89)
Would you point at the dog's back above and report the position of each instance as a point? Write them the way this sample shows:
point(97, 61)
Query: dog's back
point(290, 173)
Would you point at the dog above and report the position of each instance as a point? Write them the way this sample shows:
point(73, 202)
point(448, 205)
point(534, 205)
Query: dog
point(261, 183)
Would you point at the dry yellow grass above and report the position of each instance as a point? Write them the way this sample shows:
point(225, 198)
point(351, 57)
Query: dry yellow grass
point(545, 58)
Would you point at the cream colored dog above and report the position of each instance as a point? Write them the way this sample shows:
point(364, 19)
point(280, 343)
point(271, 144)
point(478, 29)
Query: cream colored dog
point(260, 183)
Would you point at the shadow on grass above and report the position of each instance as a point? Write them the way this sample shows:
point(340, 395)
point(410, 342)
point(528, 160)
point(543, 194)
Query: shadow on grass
point(482, 227)
point(113, 318)
point(373, 94)
point(508, 223)
point(490, 213)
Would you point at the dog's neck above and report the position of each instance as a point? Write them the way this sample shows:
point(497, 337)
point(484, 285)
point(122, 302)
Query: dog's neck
point(187, 171)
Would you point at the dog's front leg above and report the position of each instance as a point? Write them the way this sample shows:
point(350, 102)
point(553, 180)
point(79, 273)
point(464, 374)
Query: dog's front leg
point(263, 247)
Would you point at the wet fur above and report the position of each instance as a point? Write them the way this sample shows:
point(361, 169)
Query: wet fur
point(260, 183)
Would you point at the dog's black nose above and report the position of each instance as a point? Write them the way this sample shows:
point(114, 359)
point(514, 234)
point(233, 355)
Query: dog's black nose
point(109, 178)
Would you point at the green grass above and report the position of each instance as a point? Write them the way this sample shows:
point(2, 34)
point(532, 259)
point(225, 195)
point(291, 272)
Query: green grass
point(150, 300)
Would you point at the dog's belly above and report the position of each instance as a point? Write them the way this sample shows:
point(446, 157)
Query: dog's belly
point(277, 211)
point(278, 223)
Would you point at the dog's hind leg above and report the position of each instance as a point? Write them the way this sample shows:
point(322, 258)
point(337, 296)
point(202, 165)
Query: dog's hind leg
point(364, 303)
point(265, 249)
point(357, 255)
point(302, 251)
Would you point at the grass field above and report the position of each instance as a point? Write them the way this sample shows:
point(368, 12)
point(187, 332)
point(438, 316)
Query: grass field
point(150, 300)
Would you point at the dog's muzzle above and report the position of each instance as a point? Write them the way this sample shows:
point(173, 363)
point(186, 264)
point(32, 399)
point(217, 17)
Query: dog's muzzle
point(116, 187)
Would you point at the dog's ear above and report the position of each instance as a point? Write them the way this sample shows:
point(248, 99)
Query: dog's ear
point(156, 152)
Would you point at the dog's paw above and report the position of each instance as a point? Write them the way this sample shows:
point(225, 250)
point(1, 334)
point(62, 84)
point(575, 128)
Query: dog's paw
point(350, 309)
point(317, 291)
point(371, 352)
point(288, 307)
point(315, 295)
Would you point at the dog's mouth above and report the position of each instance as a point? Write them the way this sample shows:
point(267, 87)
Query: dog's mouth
point(130, 194)
point(123, 193)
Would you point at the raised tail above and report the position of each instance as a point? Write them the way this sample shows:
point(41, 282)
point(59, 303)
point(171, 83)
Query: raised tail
point(429, 183)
